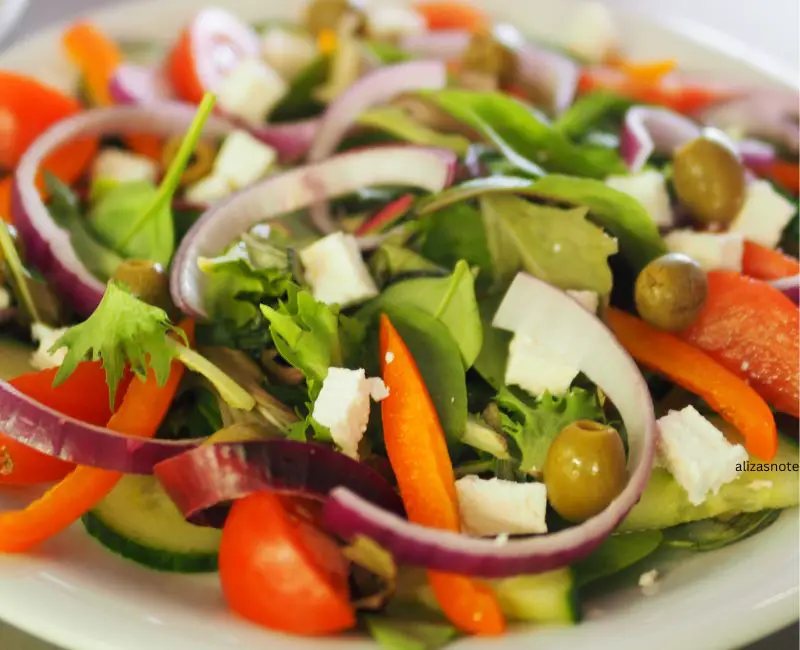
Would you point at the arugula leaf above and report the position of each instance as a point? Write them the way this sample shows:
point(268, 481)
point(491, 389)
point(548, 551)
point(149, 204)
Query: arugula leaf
point(456, 233)
point(135, 218)
point(122, 330)
point(398, 123)
point(558, 246)
point(616, 553)
point(473, 189)
point(590, 110)
point(391, 262)
point(620, 214)
point(534, 427)
point(520, 133)
point(449, 300)
point(398, 634)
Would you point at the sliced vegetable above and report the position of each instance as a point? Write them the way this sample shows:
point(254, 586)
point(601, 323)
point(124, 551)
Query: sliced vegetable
point(711, 534)
point(763, 263)
point(399, 124)
point(426, 480)
point(96, 57)
point(697, 372)
point(548, 598)
point(750, 328)
point(279, 571)
point(138, 84)
point(386, 216)
point(551, 78)
point(452, 14)
point(789, 287)
point(215, 474)
point(648, 130)
point(616, 553)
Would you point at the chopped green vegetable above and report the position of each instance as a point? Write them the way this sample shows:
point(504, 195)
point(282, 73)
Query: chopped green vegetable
point(391, 262)
point(620, 214)
point(711, 534)
point(534, 427)
point(9, 255)
point(399, 634)
point(481, 436)
point(398, 123)
point(456, 233)
point(493, 357)
point(473, 189)
point(616, 553)
point(548, 597)
point(589, 111)
point(299, 101)
point(558, 246)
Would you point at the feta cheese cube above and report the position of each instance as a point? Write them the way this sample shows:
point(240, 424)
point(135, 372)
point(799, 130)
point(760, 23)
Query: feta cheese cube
point(122, 166)
point(591, 33)
point(497, 507)
point(589, 300)
point(650, 189)
point(210, 189)
point(46, 337)
point(764, 215)
point(533, 367)
point(337, 272)
point(251, 91)
point(343, 406)
point(387, 21)
point(712, 251)
point(242, 159)
point(287, 51)
point(5, 298)
point(697, 454)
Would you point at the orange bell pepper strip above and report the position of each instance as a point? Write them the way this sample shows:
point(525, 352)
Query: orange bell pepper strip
point(82, 397)
point(763, 263)
point(698, 373)
point(452, 14)
point(142, 410)
point(96, 56)
point(415, 444)
point(751, 328)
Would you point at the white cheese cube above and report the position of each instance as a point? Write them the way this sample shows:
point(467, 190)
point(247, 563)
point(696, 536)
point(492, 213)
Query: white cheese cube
point(764, 215)
point(497, 507)
point(209, 190)
point(122, 167)
point(288, 52)
point(533, 367)
point(243, 159)
point(591, 33)
point(251, 91)
point(46, 337)
point(712, 251)
point(650, 189)
point(387, 21)
point(697, 454)
point(343, 406)
point(589, 300)
point(337, 272)
point(5, 299)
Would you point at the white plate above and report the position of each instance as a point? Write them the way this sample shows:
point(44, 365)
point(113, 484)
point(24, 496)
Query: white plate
point(77, 595)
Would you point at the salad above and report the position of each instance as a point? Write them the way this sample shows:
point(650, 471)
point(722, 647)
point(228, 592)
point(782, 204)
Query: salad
point(395, 319)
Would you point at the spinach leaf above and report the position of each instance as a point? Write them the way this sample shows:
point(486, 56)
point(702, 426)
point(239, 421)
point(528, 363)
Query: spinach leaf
point(616, 553)
point(558, 246)
point(391, 262)
point(589, 112)
point(520, 133)
point(456, 233)
point(491, 362)
point(711, 534)
point(299, 101)
point(472, 189)
point(398, 123)
point(620, 214)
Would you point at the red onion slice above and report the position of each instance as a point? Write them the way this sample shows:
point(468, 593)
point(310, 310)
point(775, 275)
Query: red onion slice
point(138, 84)
point(48, 246)
point(214, 474)
point(291, 139)
point(445, 45)
point(426, 168)
point(541, 311)
point(55, 434)
point(790, 287)
point(552, 75)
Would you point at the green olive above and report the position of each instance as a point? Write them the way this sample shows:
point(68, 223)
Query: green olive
point(147, 281)
point(584, 470)
point(709, 180)
point(325, 15)
point(671, 291)
point(487, 56)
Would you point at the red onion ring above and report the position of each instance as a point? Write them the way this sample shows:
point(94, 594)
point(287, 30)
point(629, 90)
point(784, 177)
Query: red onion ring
point(427, 168)
point(550, 74)
point(58, 435)
point(790, 287)
point(48, 246)
point(445, 45)
point(541, 311)
point(138, 84)
point(214, 474)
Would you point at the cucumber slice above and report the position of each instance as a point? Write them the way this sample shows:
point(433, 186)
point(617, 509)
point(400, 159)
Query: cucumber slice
point(141, 523)
point(14, 359)
point(542, 598)
point(665, 503)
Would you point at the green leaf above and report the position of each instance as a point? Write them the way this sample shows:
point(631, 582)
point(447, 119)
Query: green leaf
point(456, 233)
point(558, 246)
point(620, 214)
point(122, 331)
point(473, 189)
point(397, 122)
point(492, 360)
point(616, 553)
point(391, 262)
point(299, 101)
point(194, 413)
point(397, 634)
point(386, 53)
point(450, 300)
point(534, 427)
point(711, 534)
point(589, 111)
point(520, 133)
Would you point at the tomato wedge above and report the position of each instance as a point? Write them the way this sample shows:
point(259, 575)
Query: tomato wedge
point(207, 50)
point(278, 570)
point(764, 263)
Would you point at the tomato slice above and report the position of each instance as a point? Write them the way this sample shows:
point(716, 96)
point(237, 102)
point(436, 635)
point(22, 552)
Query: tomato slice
point(278, 570)
point(208, 49)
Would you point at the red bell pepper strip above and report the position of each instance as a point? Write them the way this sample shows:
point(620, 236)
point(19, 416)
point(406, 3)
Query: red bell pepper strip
point(142, 410)
point(415, 444)
point(763, 263)
point(751, 328)
point(452, 14)
point(83, 396)
point(387, 215)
